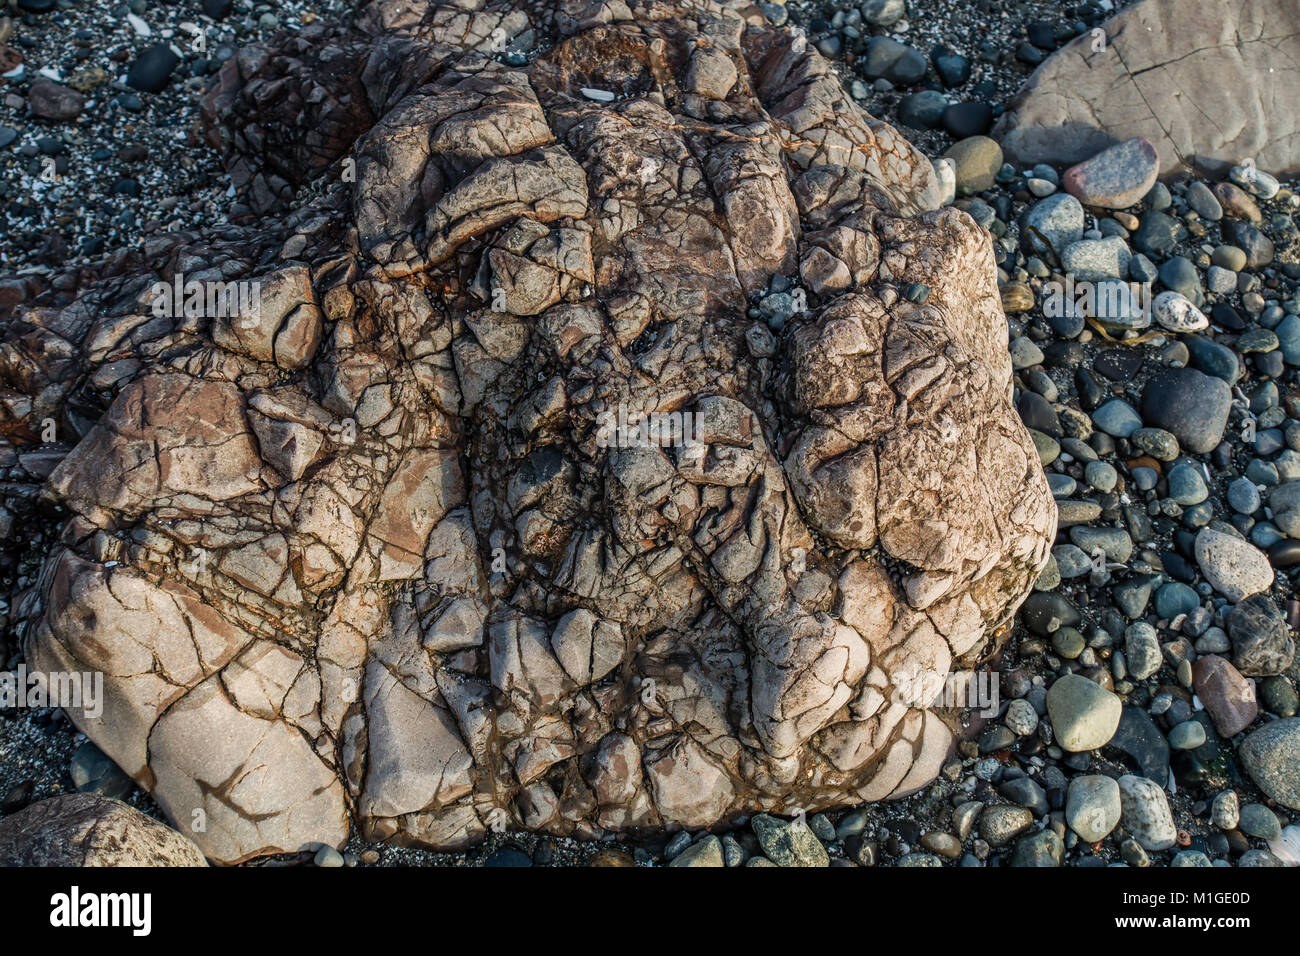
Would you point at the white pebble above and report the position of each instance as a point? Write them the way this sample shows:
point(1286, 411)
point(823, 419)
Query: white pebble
point(1175, 312)
point(139, 26)
point(1253, 179)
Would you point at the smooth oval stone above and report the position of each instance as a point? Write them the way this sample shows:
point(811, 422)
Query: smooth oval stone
point(976, 159)
point(1187, 736)
point(1092, 807)
point(1084, 714)
point(1048, 448)
point(1259, 821)
point(1244, 498)
point(1102, 476)
point(1117, 418)
point(1115, 178)
point(1202, 200)
point(1190, 404)
point(1229, 257)
point(152, 69)
point(1175, 598)
point(1068, 643)
point(1186, 486)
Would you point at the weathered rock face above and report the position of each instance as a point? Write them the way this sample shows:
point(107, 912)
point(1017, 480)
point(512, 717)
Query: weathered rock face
point(83, 829)
point(381, 550)
point(1199, 80)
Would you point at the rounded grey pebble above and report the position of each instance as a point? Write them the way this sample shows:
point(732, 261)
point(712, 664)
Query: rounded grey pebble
point(1243, 496)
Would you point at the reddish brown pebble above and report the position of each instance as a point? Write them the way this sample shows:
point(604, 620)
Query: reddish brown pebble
point(1236, 202)
point(1228, 697)
point(1115, 178)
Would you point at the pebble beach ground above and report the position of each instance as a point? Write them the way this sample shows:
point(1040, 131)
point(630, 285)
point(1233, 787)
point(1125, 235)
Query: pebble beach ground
point(1147, 696)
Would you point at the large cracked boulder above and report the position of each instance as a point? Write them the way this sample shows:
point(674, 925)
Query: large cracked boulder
point(1210, 84)
point(393, 549)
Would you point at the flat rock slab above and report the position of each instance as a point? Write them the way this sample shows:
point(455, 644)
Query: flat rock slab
point(1203, 82)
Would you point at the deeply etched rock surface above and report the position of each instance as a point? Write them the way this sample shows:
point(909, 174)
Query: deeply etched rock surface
point(380, 549)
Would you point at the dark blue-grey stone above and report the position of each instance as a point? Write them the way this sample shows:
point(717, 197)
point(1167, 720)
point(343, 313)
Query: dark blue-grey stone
point(1042, 610)
point(1175, 598)
point(93, 772)
point(508, 856)
point(1257, 246)
point(1243, 496)
point(922, 110)
point(1043, 848)
point(1190, 404)
point(1288, 337)
point(953, 68)
point(1204, 202)
point(1134, 595)
point(1037, 413)
point(1181, 276)
point(1158, 235)
point(1142, 740)
point(1226, 317)
point(1158, 198)
point(1117, 418)
point(963, 120)
point(152, 69)
point(1186, 486)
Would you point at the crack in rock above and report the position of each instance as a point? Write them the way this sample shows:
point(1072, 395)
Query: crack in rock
point(1203, 82)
